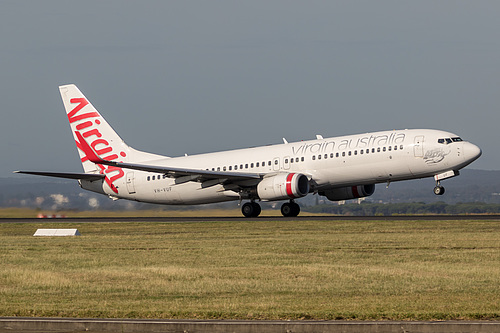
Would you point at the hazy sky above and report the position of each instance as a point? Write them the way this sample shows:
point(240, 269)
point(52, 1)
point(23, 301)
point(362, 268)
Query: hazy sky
point(175, 77)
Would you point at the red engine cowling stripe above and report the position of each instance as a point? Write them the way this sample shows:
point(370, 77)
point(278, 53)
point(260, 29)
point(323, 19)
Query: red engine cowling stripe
point(289, 190)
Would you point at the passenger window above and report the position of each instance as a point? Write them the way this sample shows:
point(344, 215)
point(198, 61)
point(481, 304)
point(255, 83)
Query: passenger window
point(218, 168)
point(331, 155)
point(302, 159)
point(401, 147)
point(349, 153)
point(314, 157)
point(337, 155)
point(384, 149)
point(361, 151)
point(246, 166)
point(355, 152)
point(378, 150)
point(269, 163)
point(235, 167)
point(230, 168)
point(257, 164)
point(368, 151)
point(291, 160)
point(286, 160)
point(224, 168)
point(389, 148)
point(319, 157)
point(395, 147)
point(373, 150)
point(153, 178)
point(296, 160)
point(343, 153)
point(149, 178)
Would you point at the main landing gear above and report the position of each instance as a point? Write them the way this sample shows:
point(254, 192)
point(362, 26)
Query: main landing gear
point(251, 209)
point(288, 209)
point(438, 190)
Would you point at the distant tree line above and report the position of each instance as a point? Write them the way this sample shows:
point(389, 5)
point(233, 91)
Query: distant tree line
point(373, 209)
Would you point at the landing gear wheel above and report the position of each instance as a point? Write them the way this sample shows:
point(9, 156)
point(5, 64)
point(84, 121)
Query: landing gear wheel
point(290, 209)
point(251, 209)
point(438, 190)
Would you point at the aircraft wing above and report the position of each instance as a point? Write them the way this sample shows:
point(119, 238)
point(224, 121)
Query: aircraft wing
point(173, 172)
point(67, 175)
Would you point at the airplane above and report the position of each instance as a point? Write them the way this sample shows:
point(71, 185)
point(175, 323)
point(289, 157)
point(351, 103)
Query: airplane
point(339, 168)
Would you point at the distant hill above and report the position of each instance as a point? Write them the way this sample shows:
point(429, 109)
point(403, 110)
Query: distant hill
point(53, 193)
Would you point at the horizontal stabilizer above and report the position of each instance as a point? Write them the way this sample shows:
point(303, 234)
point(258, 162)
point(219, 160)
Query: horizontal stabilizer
point(67, 175)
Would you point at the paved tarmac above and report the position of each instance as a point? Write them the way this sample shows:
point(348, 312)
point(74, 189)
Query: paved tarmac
point(45, 325)
point(260, 218)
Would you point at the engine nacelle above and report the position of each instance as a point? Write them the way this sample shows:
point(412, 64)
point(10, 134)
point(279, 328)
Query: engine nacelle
point(283, 186)
point(349, 192)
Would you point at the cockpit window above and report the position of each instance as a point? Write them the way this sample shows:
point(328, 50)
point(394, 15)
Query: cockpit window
point(447, 141)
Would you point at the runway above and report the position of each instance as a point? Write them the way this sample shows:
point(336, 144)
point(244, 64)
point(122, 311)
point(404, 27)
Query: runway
point(244, 219)
point(39, 325)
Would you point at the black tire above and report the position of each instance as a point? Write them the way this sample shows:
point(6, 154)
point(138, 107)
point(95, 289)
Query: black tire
point(290, 209)
point(251, 209)
point(438, 190)
point(295, 209)
point(257, 209)
point(247, 209)
point(286, 209)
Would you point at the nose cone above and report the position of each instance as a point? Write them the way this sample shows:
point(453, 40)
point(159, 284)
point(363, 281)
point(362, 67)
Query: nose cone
point(471, 152)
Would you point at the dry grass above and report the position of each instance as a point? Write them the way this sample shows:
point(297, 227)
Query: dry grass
point(254, 270)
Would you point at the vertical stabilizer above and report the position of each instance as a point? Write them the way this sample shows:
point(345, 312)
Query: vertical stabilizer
point(88, 124)
point(85, 119)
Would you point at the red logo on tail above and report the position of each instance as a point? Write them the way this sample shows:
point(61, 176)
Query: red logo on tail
point(88, 130)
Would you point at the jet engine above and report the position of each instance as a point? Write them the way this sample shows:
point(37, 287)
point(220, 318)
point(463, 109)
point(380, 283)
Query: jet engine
point(349, 192)
point(283, 186)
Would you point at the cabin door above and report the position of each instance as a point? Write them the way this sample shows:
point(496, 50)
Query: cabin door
point(418, 147)
point(130, 182)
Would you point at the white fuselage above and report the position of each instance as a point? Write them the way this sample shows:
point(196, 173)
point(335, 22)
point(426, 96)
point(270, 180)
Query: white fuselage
point(328, 163)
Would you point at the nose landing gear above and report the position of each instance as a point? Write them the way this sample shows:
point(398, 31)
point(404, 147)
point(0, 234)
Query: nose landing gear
point(438, 190)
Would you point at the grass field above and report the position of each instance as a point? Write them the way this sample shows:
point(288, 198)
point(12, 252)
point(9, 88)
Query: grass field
point(400, 270)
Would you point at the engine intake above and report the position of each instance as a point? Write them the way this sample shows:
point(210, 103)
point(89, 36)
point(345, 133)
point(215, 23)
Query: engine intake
point(349, 192)
point(283, 186)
